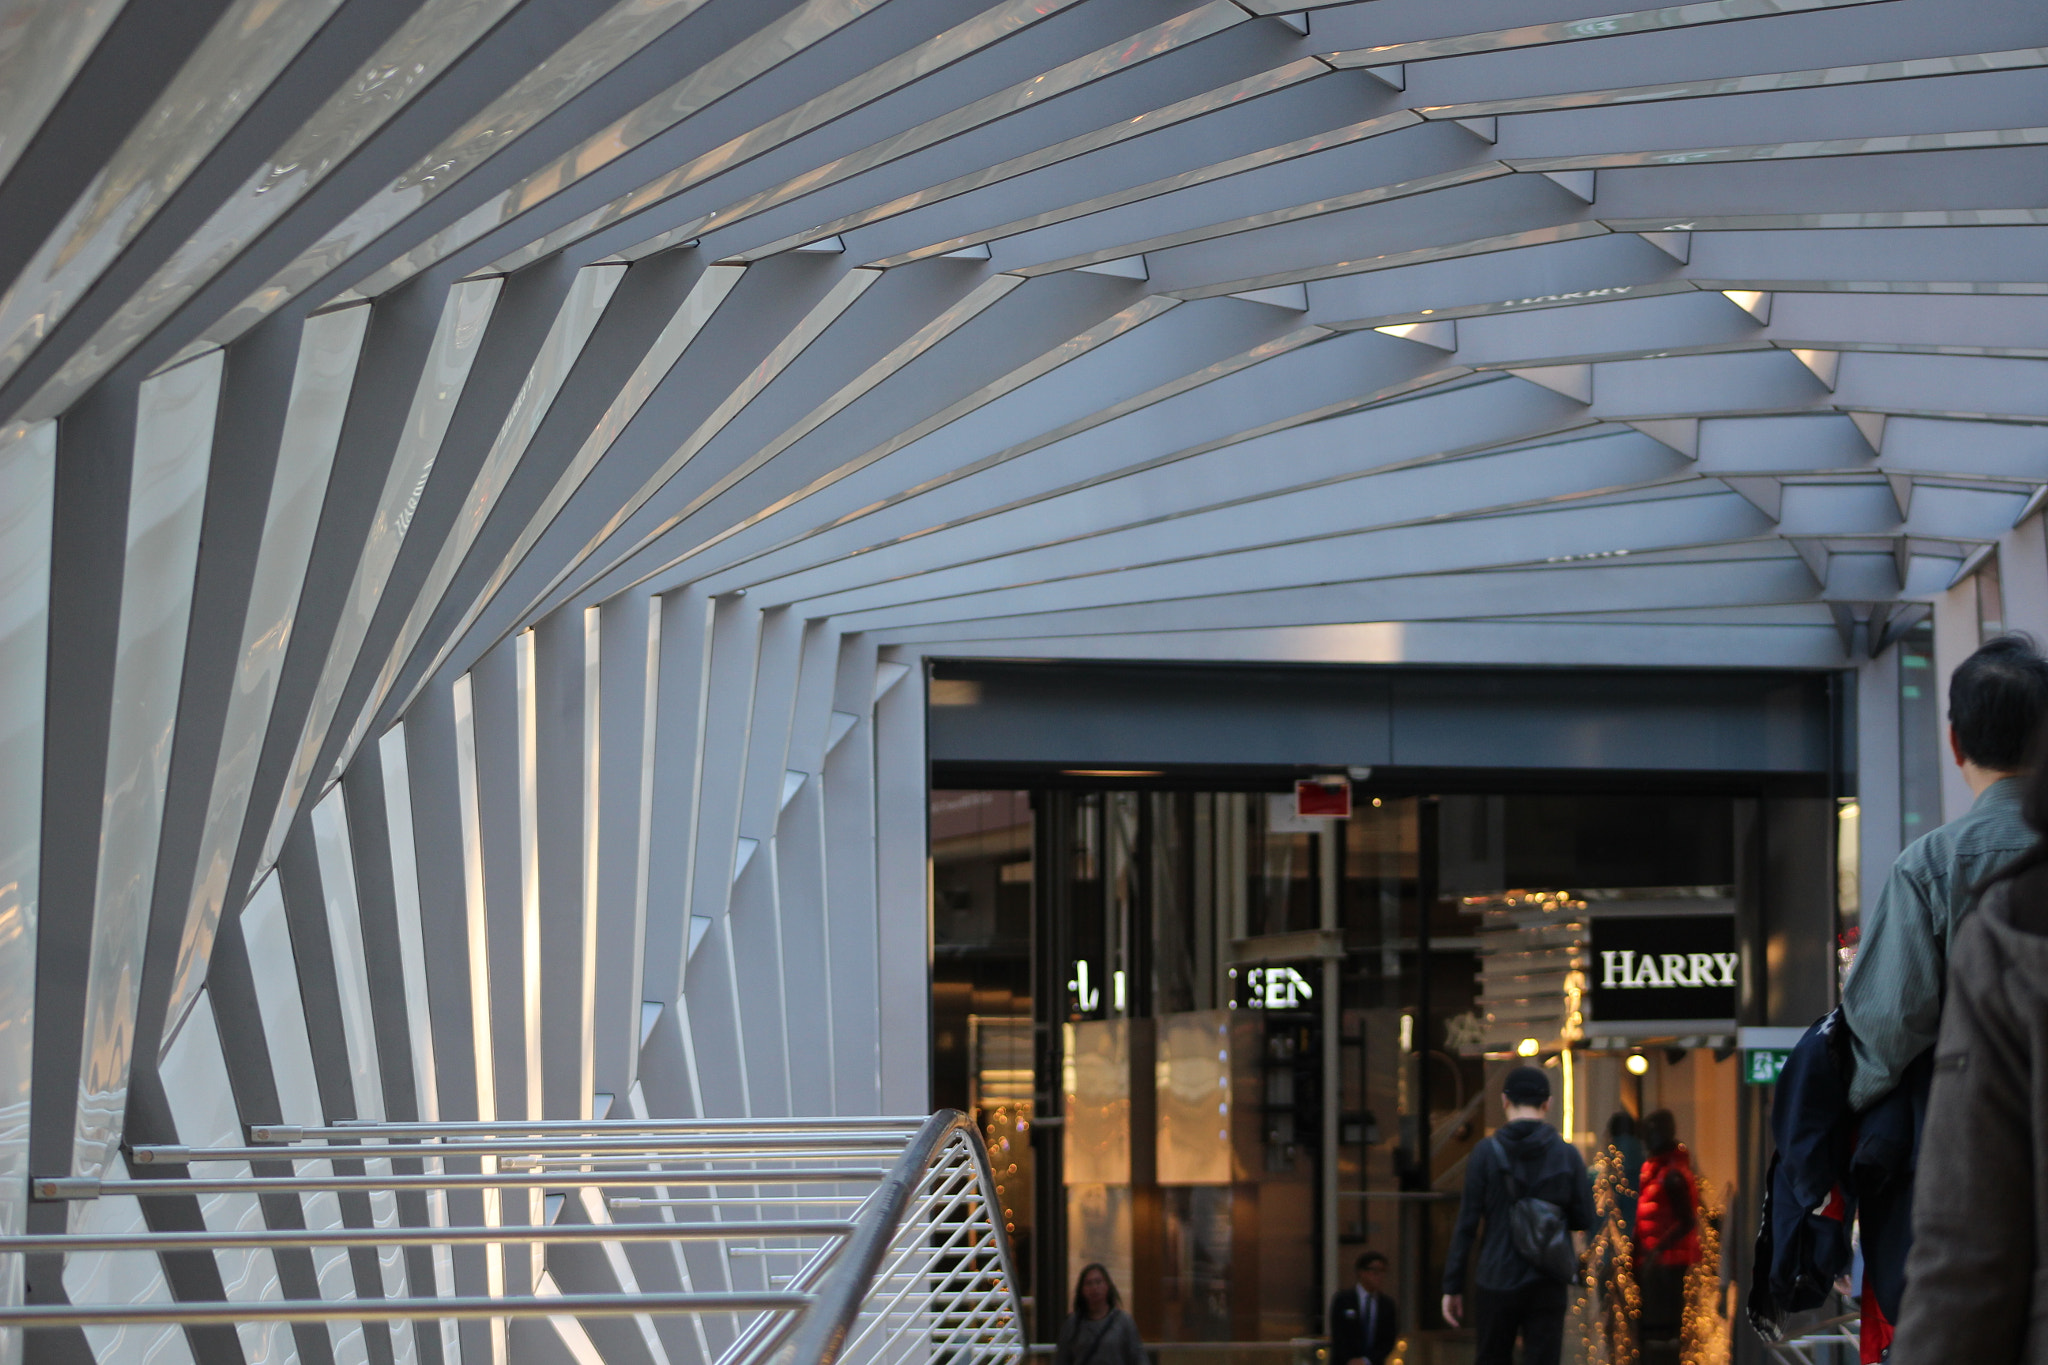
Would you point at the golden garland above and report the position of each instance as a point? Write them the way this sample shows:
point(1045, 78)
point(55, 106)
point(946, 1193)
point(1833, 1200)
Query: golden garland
point(1609, 1305)
point(1704, 1336)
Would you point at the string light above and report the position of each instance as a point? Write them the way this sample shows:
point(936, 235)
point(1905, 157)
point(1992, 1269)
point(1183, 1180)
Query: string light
point(1703, 1332)
point(1609, 1303)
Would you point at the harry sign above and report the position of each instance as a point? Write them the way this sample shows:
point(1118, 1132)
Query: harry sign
point(1652, 967)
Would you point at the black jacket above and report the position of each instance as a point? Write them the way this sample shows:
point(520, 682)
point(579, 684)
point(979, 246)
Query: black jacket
point(1548, 1168)
point(1348, 1340)
point(1833, 1166)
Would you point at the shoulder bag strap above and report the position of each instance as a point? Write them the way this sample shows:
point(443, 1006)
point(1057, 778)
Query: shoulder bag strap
point(1096, 1345)
point(1507, 1169)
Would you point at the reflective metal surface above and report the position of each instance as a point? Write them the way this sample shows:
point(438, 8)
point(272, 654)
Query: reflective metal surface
point(28, 459)
point(328, 351)
point(416, 55)
point(572, 327)
point(45, 50)
point(963, 39)
point(697, 307)
point(167, 492)
point(1861, 73)
point(1574, 30)
point(1279, 78)
point(761, 51)
point(246, 49)
point(463, 320)
point(614, 36)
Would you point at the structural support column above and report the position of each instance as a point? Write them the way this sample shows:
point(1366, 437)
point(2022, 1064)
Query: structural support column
point(1330, 866)
point(2023, 577)
point(1955, 639)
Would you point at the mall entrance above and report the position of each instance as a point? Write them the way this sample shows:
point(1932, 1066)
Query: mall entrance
point(1223, 1044)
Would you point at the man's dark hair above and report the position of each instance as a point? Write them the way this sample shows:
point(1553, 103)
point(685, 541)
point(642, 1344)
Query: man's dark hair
point(1660, 1131)
point(1623, 1124)
point(1526, 1085)
point(1996, 701)
point(1368, 1259)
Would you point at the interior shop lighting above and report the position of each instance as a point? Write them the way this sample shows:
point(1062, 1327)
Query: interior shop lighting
point(1528, 1047)
point(1637, 1064)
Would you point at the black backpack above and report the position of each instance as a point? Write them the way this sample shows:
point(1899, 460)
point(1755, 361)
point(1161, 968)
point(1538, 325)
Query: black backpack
point(1536, 1228)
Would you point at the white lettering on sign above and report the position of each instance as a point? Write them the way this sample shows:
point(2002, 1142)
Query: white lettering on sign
point(1626, 969)
point(1572, 297)
point(1277, 988)
point(1086, 996)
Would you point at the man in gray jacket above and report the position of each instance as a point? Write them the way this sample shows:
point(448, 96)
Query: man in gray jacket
point(1892, 1001)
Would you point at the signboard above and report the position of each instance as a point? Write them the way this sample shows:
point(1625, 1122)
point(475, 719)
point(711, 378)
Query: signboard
point(1760, 1066)
point(1277, 988)
point(1323, 798)
point(1652, 967)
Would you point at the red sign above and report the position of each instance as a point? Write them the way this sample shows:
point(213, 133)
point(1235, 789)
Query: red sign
point(1323, 798)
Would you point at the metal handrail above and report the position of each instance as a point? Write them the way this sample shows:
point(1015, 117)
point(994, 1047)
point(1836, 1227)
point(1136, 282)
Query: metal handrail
point(822, 1332)
point(920, 1265)
point(64, 1187)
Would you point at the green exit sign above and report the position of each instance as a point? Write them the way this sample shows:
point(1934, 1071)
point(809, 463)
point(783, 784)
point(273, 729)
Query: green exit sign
point(1760, 1066)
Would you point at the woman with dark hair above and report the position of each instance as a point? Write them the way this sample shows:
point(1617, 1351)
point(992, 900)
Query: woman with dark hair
point(1667, 1235)
point(1098, 1331)
point(1975, 1284)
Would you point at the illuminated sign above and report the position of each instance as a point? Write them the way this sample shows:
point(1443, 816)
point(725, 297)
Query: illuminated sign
point(1277, 988)
point(1088, 997)
point(1652, 967)
point(1623, 969)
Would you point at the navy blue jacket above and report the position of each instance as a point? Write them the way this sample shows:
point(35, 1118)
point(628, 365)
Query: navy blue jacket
point(1830, 1167)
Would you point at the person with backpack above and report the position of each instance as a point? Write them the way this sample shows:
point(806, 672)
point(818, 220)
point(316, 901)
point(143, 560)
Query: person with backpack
point(1529, 1187)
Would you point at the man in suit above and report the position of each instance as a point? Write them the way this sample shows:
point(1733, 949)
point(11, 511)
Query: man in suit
point(1362, 1326)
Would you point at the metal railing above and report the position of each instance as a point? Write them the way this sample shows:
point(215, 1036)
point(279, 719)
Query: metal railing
point(868, 1241)
point(1827, 1342)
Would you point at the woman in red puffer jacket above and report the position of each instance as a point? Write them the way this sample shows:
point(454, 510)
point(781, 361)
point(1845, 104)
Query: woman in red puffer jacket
point(1667, 1233)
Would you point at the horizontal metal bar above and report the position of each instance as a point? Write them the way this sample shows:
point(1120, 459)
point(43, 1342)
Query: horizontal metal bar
point(352, 1128)
point(766, 1154)
point(428, 1236)
point(392, 1310)
point(709, 1147)
point(749, 1201)
point(1426, 1195)
point(70, 1188)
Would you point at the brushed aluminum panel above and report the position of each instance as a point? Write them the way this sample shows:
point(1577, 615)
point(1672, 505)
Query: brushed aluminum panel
point(28, 459)
point(961, 41)
point(328, 350)
point(167, 493)
point(244, 52)
point(690, 318)
point(574, 322)
point(202, 1102)
point(585, 59)
point(424, 47)
point(41, 49)
point(464, 317)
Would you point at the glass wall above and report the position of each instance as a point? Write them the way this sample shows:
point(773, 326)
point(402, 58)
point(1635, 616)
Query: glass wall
point(1221, 1048)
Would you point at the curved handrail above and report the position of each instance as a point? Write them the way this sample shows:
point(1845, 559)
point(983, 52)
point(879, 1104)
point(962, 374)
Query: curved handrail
point(820, 1333)
point(920, 1271)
